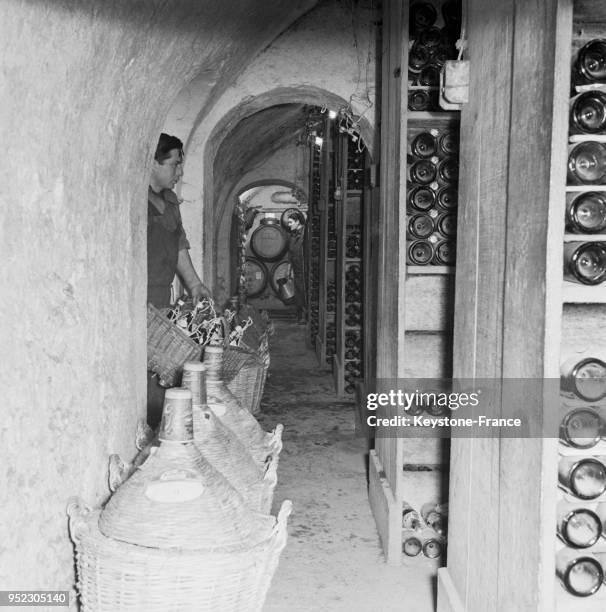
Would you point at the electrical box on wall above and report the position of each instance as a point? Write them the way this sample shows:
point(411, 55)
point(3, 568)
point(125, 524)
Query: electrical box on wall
point(454, 84)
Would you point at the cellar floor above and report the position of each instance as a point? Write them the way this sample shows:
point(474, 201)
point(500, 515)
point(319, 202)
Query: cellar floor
point(332, 561)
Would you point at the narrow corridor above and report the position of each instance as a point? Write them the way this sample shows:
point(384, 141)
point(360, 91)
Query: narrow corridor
point(332, 561)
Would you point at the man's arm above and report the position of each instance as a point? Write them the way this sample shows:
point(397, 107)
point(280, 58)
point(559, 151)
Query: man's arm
point(187, 273)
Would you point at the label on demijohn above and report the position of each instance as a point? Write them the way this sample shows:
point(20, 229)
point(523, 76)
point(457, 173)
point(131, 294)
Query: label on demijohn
point(175, 486)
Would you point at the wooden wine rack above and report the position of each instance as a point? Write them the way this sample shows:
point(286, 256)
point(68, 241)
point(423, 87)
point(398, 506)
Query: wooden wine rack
point(322, 326)
point(417, 315)
point(583, 328)
point(313, 243)
point(349, 219)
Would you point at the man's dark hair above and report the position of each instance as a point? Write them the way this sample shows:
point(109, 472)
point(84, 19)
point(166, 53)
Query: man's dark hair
point(165, 145)
point(297, 215)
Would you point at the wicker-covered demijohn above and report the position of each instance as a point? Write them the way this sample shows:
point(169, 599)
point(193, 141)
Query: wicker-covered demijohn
point(260, 327)
point(244, 375)
point(224, 451)
point(262, 445)
point(175, 536)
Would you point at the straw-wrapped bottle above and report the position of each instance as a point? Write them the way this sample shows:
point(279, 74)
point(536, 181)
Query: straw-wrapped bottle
point(177, 499)
point(262, 445)
point(223, 450)
point(176, 535)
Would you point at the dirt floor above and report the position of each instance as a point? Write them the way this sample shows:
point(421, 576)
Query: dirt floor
point(333, 560)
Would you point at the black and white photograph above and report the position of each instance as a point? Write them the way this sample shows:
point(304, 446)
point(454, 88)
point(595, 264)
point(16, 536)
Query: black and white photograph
point(303, 305)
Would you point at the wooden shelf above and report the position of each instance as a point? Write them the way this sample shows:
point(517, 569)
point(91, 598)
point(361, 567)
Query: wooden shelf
point(576, 293)
point(565, 602)
point(595, 451)
point(576, 138)
point(430, 269)
point(433, 115)
point(590, 87)
point(584, 237)
point(581, 188)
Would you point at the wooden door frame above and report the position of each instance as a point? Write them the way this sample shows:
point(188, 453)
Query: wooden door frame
point(385, 461)
point(508, 300)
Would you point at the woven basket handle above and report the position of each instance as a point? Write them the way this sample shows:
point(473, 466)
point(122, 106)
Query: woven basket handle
point(119, 471)
point(144, 434)
point(275, 441)
point(77, 512)
point(280, 526)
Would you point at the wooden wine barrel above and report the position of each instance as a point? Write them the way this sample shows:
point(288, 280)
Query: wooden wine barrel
point(269, 240)
point(255, 274)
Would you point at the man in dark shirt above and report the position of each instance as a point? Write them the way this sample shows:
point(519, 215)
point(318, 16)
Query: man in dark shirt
point(296, 255)
point(167, 247)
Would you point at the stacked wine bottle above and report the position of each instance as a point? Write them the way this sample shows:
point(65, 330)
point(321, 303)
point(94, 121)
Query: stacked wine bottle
point(353, 244)
point(316, 182)
point(332, 235)
point(353, 323)
point(331, 334)
point(434, 31)
point(314, 277)
point(353, 293)
point(581, 512)
point(355, 166)
point(331, 341)
point(424, 531)
point(585, 246)
point(431, 205)
point(353, 359)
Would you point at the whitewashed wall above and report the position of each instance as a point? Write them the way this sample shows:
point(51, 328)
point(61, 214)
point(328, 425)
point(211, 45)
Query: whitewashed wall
point(85, 89)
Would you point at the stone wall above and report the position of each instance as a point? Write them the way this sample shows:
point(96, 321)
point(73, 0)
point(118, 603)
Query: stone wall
point(86, 89)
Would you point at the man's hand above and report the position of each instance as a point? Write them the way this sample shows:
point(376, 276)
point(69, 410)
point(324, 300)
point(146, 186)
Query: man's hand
point(185, 269)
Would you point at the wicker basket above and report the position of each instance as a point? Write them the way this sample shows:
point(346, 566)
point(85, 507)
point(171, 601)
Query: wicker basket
point(114, 576)
point(168, 348)
point(261, 444)
point(222, 449)
point(244, 375)
point(260, 326)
